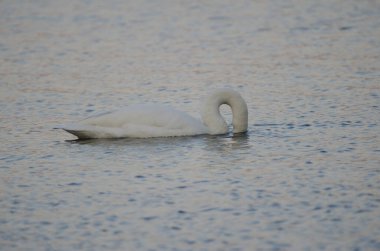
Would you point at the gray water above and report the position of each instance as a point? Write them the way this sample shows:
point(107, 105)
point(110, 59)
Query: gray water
point(304, 177)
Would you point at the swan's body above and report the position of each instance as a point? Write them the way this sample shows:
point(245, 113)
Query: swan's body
point(145, 121)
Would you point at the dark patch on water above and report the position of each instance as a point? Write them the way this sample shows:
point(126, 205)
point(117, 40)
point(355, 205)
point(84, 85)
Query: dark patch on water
point(149, 218)
point(74, 184)
point(344, 28)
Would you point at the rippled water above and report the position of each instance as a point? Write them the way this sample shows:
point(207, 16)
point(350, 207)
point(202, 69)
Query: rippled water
point(304, 177)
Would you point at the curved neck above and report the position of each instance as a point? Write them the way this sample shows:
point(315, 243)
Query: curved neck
point(211, 113)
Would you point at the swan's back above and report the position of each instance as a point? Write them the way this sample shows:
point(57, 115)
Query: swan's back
point(138, 121)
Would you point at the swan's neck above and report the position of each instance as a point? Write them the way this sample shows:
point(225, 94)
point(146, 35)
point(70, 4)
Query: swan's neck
point(211, 112)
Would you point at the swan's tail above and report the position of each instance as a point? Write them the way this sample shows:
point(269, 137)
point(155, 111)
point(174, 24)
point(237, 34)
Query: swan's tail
point(86, 131)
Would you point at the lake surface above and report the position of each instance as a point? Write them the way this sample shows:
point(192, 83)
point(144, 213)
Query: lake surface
point(306, 176)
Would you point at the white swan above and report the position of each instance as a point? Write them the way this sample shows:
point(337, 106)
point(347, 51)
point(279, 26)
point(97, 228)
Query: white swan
point(145, 121)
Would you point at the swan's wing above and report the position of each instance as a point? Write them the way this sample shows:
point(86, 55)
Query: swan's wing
point(137, 114)
point(130, 131)
point(139, 121)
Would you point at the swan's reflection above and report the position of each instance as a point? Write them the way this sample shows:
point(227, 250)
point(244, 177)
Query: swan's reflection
point(229, 141)
point(223, 150)
point(237, 141)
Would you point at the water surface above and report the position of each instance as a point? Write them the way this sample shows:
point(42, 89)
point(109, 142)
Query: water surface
point(304, 177)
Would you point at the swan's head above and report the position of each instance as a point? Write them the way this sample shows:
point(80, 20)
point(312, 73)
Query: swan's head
point(211, 113)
